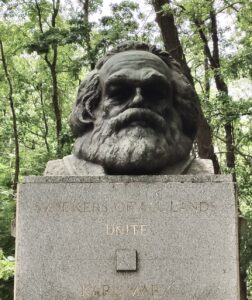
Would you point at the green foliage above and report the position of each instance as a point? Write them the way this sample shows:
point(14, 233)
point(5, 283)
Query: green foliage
point(80, 43)
point(122, 25)
point(51, 37)
point(7, 208)
point(7, 266)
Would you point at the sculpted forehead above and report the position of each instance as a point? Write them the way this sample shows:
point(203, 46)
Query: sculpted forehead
point(134, 61)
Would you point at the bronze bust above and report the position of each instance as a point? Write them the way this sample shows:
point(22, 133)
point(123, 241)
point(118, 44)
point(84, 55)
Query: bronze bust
point(134, 114)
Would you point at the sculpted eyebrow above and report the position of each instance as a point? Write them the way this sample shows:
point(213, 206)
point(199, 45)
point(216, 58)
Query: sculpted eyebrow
point(147, 79)
point(118, 79)
point(155, 77)
point(117, 82)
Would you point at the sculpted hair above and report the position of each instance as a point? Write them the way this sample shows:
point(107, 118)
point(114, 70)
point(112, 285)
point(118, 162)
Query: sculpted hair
point(89, 92)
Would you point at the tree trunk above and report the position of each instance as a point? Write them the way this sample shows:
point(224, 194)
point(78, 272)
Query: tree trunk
point(14, 118)
point(55, 99)
point(214, 59)
point(207, 78)
point(172, 44)
point(52, 65)
point(45, 135)
point(86, 6)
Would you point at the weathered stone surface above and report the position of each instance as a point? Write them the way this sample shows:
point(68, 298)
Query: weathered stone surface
point(72, 166)
point(183, 228)
point(135, 114)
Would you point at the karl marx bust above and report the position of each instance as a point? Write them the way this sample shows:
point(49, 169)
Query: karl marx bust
point(134, 114)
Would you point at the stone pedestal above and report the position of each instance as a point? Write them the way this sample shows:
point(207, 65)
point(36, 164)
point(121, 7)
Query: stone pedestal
point(126, 238)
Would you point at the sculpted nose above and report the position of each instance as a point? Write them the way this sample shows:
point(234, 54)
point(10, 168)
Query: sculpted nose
point(138, 98)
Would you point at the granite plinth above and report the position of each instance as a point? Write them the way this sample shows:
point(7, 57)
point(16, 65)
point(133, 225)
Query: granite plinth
point(127, 238)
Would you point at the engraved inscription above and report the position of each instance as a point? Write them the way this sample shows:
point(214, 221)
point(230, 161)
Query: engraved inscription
point(128, 229)
point(134, 291)
point(98, 291)
point(187, 206)
point(127, 207)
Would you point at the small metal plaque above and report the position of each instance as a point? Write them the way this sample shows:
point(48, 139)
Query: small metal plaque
point(126, 260)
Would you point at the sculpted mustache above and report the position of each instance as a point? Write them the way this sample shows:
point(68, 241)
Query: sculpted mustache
point(131, 115)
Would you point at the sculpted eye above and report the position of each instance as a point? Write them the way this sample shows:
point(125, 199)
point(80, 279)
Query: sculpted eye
point(120, 93)
point(156, 91)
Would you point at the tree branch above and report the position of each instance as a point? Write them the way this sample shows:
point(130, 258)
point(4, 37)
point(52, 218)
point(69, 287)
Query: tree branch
point(247, 157)
point(14, 117)
point(55, 12)
point(39, 16)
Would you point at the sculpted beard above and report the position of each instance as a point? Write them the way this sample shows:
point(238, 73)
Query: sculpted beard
point(137, 141)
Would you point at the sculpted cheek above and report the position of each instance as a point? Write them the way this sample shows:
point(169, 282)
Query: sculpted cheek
point(111, 110)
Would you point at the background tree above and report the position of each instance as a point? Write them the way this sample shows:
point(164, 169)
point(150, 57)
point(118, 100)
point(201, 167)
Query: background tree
point(47, 47)
point(169, 31)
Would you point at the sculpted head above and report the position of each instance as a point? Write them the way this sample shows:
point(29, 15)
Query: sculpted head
point(135, 113)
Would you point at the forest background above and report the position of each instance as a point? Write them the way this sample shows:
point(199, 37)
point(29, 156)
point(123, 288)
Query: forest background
point(47, 47)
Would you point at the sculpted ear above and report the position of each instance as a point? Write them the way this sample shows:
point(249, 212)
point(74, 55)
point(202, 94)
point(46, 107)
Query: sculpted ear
point(88, 97)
